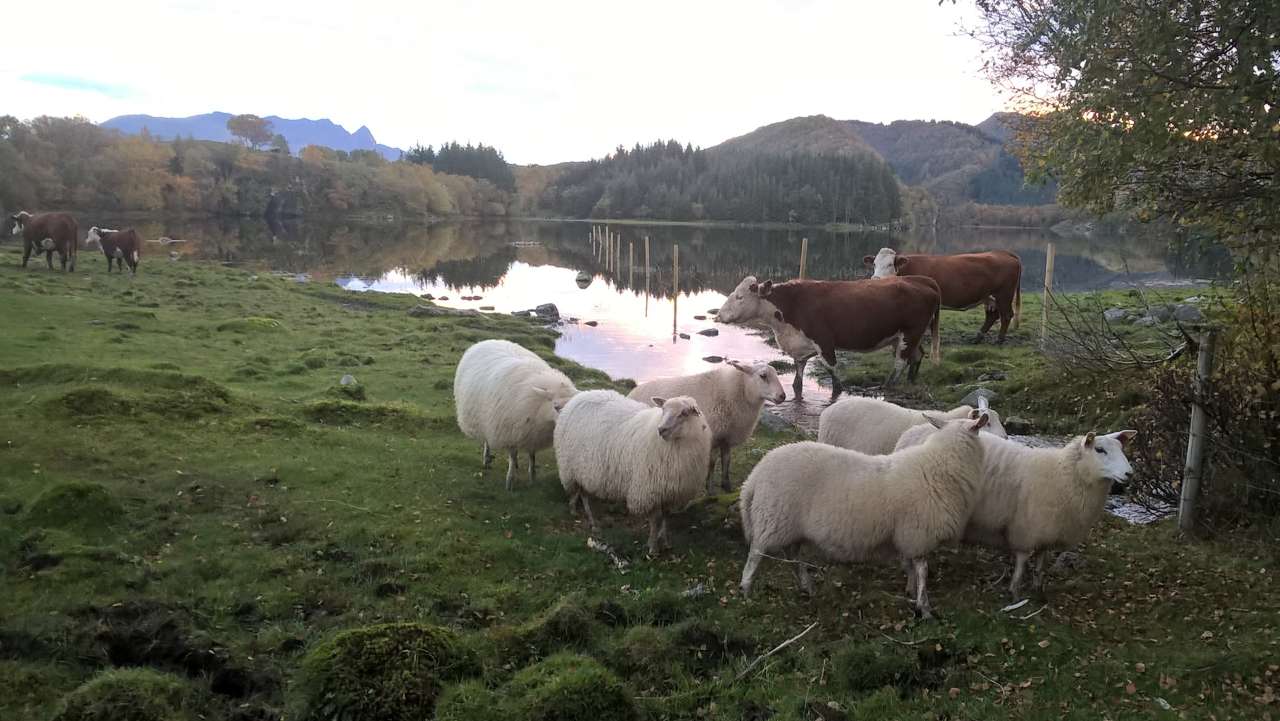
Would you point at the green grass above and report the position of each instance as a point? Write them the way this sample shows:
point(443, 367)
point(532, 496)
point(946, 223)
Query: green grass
point(198, 503)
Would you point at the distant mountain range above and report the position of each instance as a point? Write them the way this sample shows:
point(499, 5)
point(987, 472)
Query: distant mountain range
point(299, 132)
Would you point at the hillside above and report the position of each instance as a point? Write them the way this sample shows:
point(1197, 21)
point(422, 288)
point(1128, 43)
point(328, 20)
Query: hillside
point(815, 134)
point(300, 132)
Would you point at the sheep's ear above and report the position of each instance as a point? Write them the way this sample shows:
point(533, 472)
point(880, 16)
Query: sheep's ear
point(1088, 439)
point(983, 403)
point(869, 260)
point(659, 402)
point(1126, 436)
point(740, 366)
point(982, 421)
point(777, 314)
point(766, 288)
point(542, 391)
point(973, 414)
point(935, 422)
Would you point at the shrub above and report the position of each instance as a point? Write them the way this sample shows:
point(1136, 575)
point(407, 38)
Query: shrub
point(389, 672)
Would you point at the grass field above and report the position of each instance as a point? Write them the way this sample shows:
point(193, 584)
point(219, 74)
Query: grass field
point(198, 522)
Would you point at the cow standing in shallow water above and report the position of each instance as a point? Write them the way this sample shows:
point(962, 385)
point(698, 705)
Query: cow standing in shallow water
point(966, 280)
point(122, 245)
point(861, 316)
point(46, 232)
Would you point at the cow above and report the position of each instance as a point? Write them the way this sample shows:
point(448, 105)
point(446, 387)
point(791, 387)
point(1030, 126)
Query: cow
point(966, 280)
point(859, 315)
point(46, 232)
point(124, 246)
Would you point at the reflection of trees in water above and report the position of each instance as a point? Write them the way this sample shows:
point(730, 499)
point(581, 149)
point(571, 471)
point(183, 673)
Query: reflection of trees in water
point(479, 272)
point(479, 253)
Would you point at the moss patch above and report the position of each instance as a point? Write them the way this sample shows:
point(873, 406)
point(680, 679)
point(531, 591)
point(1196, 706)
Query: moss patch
point(568, 687)
point(130, 694)
point(87, 508)
point(390, 672)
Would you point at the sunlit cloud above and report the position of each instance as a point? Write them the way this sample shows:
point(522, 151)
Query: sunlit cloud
point(79, 84)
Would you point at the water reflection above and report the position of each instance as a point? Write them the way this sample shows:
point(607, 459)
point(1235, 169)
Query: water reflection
point(516, 265)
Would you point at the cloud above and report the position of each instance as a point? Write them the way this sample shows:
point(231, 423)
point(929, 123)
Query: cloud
point(71, 82)
point(544, 82)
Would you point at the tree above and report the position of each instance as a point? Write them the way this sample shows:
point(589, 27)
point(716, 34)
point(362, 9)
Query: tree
point(1163, 107)
point(252, 130)
point(419, 155)
point(279, 144)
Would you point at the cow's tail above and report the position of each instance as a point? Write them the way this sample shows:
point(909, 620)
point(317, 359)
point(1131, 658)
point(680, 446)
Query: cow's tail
point(135, 256)
point(1017, 299)
point(933, 331)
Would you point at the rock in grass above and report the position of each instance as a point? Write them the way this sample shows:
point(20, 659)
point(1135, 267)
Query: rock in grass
point(548, 310)
point(1115, 315)
point(971, 399)
point(435, 311)
point(713, 359)
point(130, 694)
point(347, 380)
point(709, 332)
point(699, 317)
point(775, 422)
point(592, 323)
point(684, 336)
point(1017, 425)
point(1188, 314)
point(1146, 321)
point(993, 376)
point(388, 672)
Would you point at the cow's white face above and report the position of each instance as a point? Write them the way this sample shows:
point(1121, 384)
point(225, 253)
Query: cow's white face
point(1108, 452)
point(746, 303)
point(15, 222)
point(94, 238)
point(883, 266)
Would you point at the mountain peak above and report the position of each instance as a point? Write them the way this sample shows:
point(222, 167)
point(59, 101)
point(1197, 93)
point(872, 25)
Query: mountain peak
point(299, 132)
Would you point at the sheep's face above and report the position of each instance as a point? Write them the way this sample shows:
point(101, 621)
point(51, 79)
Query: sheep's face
point(747, 302)
point(1108, 453)
point(552, 400)
point(883, 264)
point(994, 426)
point(680, 417)
point(762, 381)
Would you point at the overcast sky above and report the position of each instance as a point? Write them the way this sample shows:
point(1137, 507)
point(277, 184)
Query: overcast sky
point(545, 81)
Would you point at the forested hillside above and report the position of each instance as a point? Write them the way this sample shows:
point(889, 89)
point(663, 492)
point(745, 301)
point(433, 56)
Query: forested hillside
point(70, 163)
point(730, 182)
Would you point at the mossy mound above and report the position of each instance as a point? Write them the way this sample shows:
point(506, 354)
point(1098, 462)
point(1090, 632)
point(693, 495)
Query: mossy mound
point(862, 668)
point(470, 701)
point(341, 412)
point(643, 649)
point(568, 624)
point(85, 507)
point(96, 401)
point(252, 324)
point(352, 391)
point(129, 694)
point(568, 687)
point(389, 672)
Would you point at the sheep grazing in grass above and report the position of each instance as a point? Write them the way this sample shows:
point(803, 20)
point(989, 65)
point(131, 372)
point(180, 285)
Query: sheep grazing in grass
point(854, 507)
point(653, 457)
point(507, 397)
point(730, 397)
point(873, 426)
point(1033, 500)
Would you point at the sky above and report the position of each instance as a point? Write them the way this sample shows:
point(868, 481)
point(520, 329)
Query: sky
point(545, 81)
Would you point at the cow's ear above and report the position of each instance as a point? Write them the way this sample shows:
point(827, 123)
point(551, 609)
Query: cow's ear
point(754, 287)
point(766, 288)
point(777, 314)
point(869, 261)
point(898, 262)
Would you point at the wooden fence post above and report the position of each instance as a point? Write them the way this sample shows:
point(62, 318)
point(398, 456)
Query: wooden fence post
point(631, 264)
point(1194, 469)
point(804, 255)
point(646, 276)
point(1048, 293)
point(675, 287)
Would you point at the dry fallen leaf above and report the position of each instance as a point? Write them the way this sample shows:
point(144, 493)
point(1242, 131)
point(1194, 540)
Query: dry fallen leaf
point(953, 692)
point(1130, 688)
point(1140, 667)
point(1044, 643)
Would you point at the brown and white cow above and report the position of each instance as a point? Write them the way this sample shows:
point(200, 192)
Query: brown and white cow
point(966, 280)
point(124, 246)
point(46, 232)
point(859, 315)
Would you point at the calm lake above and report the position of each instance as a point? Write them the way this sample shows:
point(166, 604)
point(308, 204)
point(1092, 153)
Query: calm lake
point(517, 265)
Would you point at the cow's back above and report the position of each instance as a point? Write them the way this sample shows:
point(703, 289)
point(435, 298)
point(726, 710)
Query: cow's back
point(967, 279)
point(59, 227)
point(862, 314)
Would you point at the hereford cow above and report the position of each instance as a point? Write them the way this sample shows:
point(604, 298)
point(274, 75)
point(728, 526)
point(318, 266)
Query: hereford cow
point(122, 245)
point(966, 280)
point(860, 315)
point(46, 232)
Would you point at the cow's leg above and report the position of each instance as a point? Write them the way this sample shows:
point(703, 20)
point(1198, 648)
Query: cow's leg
point(1004, 307)
point(74, 253)
point(992, 315)
point(725, 483)
point(48, 259)
point(828, 358)
point(901, 357)
point(62, 260)
point(110, 260)
point(798, 383)
point(26, 252)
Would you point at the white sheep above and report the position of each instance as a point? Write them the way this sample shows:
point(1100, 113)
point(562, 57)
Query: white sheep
point(853, 507)
point(1033, 500)
point(507, 397)
point(612, 448)
point(873, 426)
point(730, 397)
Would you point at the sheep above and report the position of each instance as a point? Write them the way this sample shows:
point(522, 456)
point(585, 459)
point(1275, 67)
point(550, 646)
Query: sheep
point(854, 507)
point(1033, 500)
point(872, 426)
point(613, 448)
point(508, 397)
point(730, 397)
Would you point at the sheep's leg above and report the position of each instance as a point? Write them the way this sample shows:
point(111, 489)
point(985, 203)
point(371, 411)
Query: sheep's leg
point(711, 470)
point(573, 502)
point(749, 570)
point(586, 506)
point(910, 570)
point(662, 533)
point(513, 465)
point(801, 569)
point(922, 596)
point(1019, 569)
point(531, 470)
point(486, 455)
point(1038, 579)
point(724, 468)
point(655, 521)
